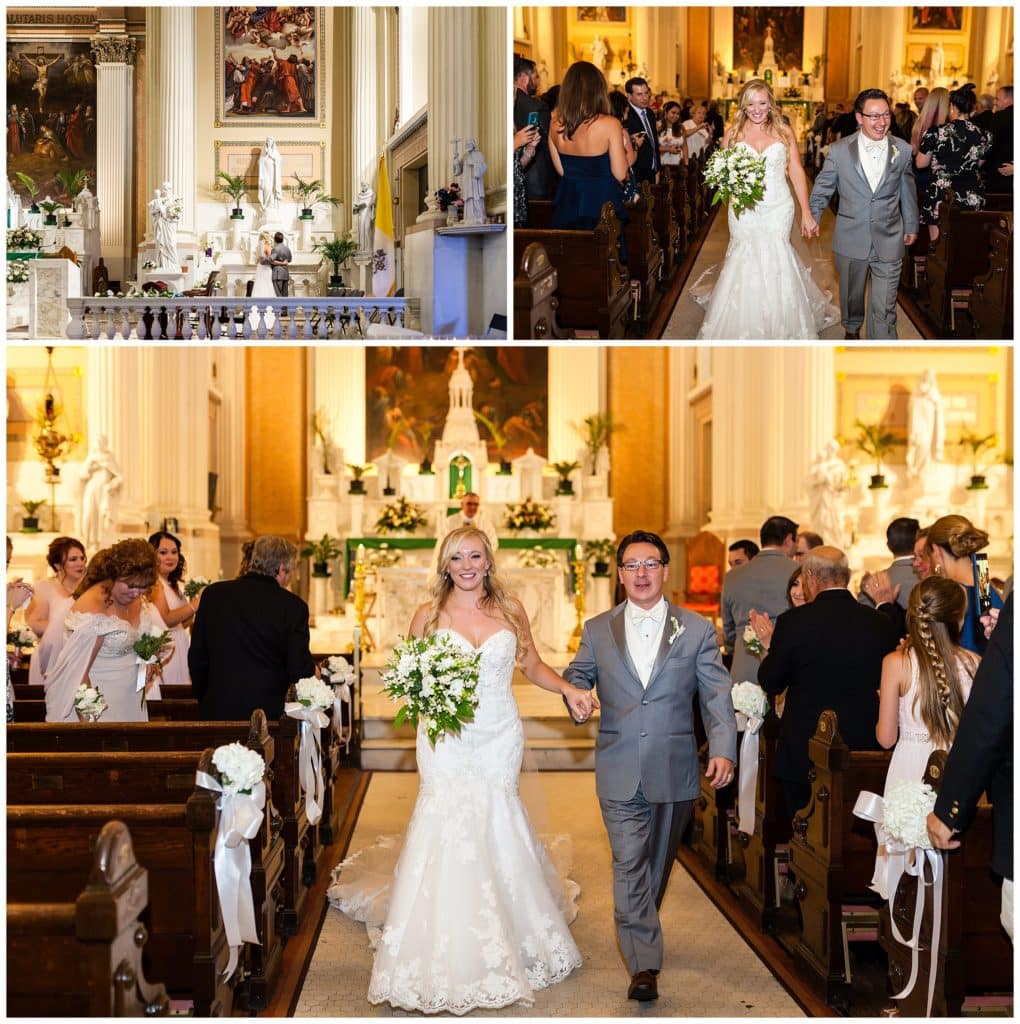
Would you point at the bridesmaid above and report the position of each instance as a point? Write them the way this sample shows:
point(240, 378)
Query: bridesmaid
point(174, 608)
point(52, 601)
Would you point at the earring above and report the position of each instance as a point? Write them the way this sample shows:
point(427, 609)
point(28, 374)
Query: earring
point(938, 570)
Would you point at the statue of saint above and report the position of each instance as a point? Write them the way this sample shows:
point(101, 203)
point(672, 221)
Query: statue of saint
point(938, 62)
point(826, 482)
point(164, 212)
point(472, 167)
point(926, 431)
point(100, 499)
point(364, 207)
point(270, 176)
point(599, 52)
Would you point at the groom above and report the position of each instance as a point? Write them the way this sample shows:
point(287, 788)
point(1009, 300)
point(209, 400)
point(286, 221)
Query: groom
point(873, 173)
point(649, 659)
point(280, 257)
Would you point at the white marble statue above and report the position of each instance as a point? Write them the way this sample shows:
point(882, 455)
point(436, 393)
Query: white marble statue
point(826, 482)
point(471, 169)
point(897, 81)
point(926, 431)
point(938, 63)
point(768, 57)
point(100, 498)
point(599, 53)
point(86, 204)
point(164, 212)
point(364, 207)
point(270, 176)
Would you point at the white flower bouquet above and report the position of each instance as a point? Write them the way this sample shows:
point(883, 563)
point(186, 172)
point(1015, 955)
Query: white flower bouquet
point(338, 669)
point(906, 808)
point(538, 557)
point(175, 210)
point(749, 699)
point(313, 693)
point(88, 703)
point(194, 586)
point(529, 515)
point(240, 768)
point(20, 639)
point(17, 271)
point(436, 679)
point(737, 176)
point(400, 515)
point(752, 643)
point(382, 557)
point(23, 238)
point(151, 645)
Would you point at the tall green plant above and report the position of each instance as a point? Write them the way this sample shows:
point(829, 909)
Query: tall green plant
point(876, 441)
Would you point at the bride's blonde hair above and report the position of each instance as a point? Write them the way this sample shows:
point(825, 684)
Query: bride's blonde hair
point(774, 122)
point(494, 597)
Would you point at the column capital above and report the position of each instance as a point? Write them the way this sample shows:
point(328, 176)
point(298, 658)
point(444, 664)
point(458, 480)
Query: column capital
point(113, 49)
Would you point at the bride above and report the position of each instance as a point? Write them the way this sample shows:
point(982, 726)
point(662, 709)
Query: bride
point(475, 913)
point(263, 287)
point(763, 290)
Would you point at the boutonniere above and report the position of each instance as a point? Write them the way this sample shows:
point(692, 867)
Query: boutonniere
point(676, 629)
point(895, 153)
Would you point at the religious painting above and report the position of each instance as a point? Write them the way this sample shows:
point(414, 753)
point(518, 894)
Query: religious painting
point(936, 19)
point(407, 398)
point(269, 60)
point(51, 114)
point(607, 15)
point(764, 35)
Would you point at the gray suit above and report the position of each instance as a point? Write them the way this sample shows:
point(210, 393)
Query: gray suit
point(759, 584)
point(281, 275)
point(870, 226)
point(646, 758)
point(901, 571)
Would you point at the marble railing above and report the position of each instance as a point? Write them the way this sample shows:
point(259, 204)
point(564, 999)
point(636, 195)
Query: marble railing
point(182, 318)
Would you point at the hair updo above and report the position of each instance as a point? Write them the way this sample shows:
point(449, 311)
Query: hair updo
point(957, 536)
point(964, 98)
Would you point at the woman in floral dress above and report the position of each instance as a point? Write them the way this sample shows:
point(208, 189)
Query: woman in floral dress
point(955, 150)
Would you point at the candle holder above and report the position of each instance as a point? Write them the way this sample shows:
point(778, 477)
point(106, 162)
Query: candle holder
point(575, 638)
point(360, 572)
point(50, 444)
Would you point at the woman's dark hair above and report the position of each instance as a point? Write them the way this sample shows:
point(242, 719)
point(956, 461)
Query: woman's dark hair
point(551, 96)
point(583, 96)
point(964, 98)
point(677, 129)
point(174, 579)
point(792, 582)
point(58, 551)
point(126, 560)
point(618, 104)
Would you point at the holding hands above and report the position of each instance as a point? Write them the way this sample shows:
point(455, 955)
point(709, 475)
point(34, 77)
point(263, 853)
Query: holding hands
point(808, 225)
point(580, 702)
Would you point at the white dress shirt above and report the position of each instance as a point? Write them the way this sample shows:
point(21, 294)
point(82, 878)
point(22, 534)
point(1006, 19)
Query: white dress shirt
point(873, 159)
point(644, 634)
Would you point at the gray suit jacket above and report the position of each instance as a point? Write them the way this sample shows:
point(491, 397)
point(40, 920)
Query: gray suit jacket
point(759, 584)
point(281, 252)
point(646, 736)
point(901, 571)
point(865, 218)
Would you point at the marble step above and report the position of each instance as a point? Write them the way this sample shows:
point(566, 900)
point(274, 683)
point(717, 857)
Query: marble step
point(396, 754)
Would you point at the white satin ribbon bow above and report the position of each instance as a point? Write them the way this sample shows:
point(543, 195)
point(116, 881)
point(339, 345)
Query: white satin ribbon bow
point(871, 807)
point(240, 819)
point(342, 695)
point(747, 781)
point(310, 757)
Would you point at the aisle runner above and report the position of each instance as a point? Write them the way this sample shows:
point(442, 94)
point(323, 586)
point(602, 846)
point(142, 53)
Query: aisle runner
point(709, 971)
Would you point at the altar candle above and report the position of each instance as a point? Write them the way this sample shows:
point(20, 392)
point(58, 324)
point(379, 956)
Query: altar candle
point(578, 552)
point(357, 652)
point(361, 552)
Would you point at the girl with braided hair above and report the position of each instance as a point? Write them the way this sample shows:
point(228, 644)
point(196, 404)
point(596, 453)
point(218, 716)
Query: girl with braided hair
point(925, 685)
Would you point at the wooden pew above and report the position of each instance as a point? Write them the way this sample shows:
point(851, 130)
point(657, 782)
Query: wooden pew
point(159, 710)
point(667, 229)
point(832, 852)
point(696, 203)
point(84, 958)
point(772, 828)
point(644, 254)
point(991, 302)
point(710, 831)
point(187, 950)
point(594, 290)
point(33, 691)
point(535, 297)
point(676, 179)
point(974, 956)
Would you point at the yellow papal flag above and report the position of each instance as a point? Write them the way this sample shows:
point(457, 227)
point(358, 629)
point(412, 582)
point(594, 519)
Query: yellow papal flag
point(384, 281)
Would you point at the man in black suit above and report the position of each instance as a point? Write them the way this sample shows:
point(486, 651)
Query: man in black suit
point(539, 176)
point(827, 654)
point(640, 124)
point(249, 642)
point(1001, 131)
point(981, 758)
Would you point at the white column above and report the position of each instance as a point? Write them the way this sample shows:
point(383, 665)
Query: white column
point(365, 57)
point(577, 388)
point(114, 187)
point(773, 409)
point(494, 86)
point(338, 388)
point(342, 165)
point(681, 499)
point(231, 455)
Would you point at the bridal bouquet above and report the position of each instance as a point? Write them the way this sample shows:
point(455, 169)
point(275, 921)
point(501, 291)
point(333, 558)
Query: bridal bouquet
point(149, 646)
point(88, 703)
point(194, 586)
point(21, 639)
point(752, 641)
point(436, 679)
point(737, 175)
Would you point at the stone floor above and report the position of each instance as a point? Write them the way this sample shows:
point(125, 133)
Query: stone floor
point(709, 971)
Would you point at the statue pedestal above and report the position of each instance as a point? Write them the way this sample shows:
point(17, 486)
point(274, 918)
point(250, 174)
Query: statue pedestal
point(363, 271)
point(17, 305)
point(51, 284)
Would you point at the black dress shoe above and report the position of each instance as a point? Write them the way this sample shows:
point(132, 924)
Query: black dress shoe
point(643, 987)
point(853, 335)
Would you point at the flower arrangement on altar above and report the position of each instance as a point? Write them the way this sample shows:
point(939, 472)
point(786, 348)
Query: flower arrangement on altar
point(737, 175)
point(538, 557)
point(23, 238)
point(449, 196)
point(529, 515)
point(400, 515)
point(17, 272)
point(382, 557)
point(149, 265)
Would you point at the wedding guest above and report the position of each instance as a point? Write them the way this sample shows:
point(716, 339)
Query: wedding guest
point(176, 610)
point(999, 162)
point(525, 144)
point(672, 148)
point(697, 133)
point(18, 593)
point(249, 641)
point(541, 181)
point(903, 121)
point(109, 614)
point(641, 125)
point(741, 552)
point(952, 543)
point(551, 96)
point(933, 112)
point(715, 119)
point(795, 589)
point(806, 541)
point(925, 685)
point(52, 601)
point(921, 95)
point(762, 623)
point(955, 151)
point(900, 535)
point(921, 563)
point(984, 112)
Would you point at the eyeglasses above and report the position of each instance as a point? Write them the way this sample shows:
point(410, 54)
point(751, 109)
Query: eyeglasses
point(651, 564)
point(878, 117)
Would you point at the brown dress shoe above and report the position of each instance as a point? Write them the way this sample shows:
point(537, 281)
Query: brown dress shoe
point(853, 335)
point(643, 987)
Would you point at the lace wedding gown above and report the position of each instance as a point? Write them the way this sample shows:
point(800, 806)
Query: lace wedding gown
point(763, 290)
point(263, 286)
point(475, 914)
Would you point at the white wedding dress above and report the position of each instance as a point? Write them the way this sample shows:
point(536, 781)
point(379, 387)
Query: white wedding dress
point(475, 913)
point(263, 286)
point(764, 291)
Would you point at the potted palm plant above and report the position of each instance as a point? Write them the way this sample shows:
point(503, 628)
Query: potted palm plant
point(29, 182)
point(309, 194)
point(563, 470)
point(51, 206)
point(73, 182)
point(357, 472)
point(499, 440)
point(425, 432)
point(235, 187)
point(601, 553)
point(596, 433)
point(975, 445)
point(876, 441)
point(322, 552)
point(30, 521)
point(336, 251)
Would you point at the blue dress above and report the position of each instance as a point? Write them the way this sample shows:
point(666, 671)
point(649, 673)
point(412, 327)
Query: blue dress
point(586, 184)
point(972, 636)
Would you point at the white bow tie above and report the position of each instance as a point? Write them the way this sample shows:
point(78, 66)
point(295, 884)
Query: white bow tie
point(872, 148)
point(638, 616)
